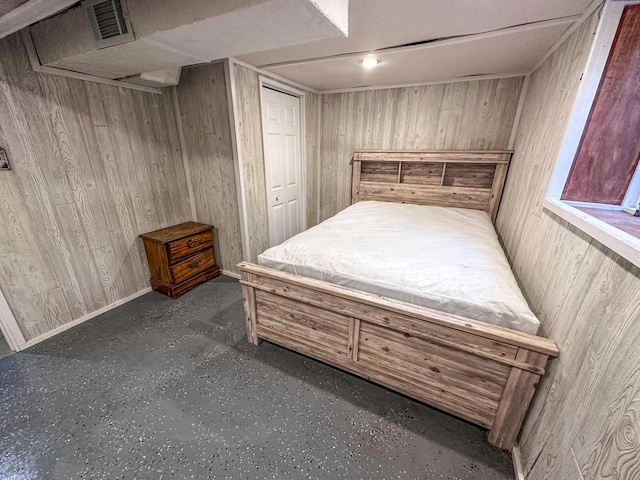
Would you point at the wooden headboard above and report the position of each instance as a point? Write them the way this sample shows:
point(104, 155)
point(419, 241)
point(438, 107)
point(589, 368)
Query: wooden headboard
point(447, 178)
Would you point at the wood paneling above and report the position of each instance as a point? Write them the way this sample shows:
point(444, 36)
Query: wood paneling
point(475, 115)
point(252, 157)
point(204, 110)
point(311, 139)
point(587, 298)
point(610, 147)
point(93, 167)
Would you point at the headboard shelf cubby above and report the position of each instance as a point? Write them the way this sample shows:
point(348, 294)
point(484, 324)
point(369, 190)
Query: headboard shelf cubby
point(455, 178)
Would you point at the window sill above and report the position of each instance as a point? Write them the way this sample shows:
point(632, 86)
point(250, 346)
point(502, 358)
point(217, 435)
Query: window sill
point(621, 242)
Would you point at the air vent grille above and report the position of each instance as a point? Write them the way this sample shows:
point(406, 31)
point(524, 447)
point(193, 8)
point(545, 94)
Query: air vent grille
point(109, 22)
point(110, 19)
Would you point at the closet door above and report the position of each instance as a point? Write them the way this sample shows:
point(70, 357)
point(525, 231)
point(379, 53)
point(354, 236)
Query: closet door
point(283, 163)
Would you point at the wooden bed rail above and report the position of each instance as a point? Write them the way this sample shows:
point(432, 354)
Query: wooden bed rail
point(481, 372)
point(474, 327)
point(452, 178)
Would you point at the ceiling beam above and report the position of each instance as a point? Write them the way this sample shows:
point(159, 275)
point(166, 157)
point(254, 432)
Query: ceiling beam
point(469, 78)
point(29, 13)
point(273, 75)
point(587, 13)
point(37, 67)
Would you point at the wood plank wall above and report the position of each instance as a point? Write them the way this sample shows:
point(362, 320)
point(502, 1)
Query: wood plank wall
point(93, 166)
point(312, 146)
point(587, 411)
point(252, 164)
point(464, 115)
point(202, 96)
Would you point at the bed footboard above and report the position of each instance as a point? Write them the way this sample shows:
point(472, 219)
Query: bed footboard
point(483, 373)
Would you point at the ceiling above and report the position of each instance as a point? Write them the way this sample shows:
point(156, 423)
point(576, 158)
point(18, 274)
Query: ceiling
point(503, 37)
point(166, 39)
point(417, 41)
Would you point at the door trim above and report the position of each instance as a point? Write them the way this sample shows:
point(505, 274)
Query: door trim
point(9, 326)
point(264, 81)
point(236, 146)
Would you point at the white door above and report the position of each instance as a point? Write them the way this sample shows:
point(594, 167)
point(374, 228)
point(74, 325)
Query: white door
point(283, 163)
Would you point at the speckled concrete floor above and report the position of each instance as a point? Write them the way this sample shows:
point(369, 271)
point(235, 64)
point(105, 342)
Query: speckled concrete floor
point(162, 389)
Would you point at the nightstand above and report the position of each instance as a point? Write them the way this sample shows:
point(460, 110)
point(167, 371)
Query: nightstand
point(180, 257)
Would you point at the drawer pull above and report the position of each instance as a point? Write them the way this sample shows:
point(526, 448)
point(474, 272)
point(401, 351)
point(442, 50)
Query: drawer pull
point(195, 264)
point(194, 243)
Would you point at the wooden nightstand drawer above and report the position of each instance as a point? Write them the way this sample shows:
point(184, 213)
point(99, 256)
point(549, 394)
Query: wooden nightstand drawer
point(188, 246)
point(180, 257)
point(192, 266)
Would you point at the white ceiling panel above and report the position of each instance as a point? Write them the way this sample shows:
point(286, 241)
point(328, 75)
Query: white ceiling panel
point(511, 51)
point(275, 22)
point(376, 24)
point(198, 31)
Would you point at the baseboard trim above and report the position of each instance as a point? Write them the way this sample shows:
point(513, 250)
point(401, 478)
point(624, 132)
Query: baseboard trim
point(89, 316)
point(517, 463)
point(230, 274)
point(78, 321)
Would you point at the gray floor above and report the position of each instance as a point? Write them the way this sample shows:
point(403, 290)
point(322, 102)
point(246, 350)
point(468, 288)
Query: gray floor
point(165, 389)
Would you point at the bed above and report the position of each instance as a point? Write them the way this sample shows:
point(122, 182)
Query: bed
point(409, 288)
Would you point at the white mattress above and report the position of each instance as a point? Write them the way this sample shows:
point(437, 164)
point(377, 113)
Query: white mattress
point(445, 258)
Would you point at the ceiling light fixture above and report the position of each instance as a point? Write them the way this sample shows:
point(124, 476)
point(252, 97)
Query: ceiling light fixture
point(369, 62)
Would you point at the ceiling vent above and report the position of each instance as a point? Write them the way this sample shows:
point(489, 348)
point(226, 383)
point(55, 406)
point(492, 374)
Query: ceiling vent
point(109, 22)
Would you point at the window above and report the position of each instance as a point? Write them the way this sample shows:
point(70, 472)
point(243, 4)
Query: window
point(609, 150)
point(596, 184)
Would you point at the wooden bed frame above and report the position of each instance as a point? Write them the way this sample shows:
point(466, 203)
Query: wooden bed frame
point(483, 373)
